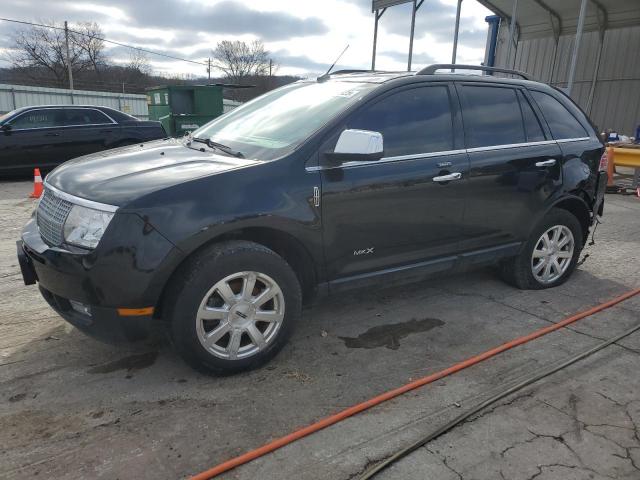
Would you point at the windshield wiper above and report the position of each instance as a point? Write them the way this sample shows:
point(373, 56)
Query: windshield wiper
point(219, 146)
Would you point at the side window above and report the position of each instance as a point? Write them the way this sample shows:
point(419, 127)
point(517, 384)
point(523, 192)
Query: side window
point(37, 119)
point(561, 121)
point(532, 126)
point(411, 121)
point(491, 116)
point(84, 116)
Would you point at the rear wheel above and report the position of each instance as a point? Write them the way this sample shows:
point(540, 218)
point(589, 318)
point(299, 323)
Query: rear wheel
point(550, 255)
point(233, 307)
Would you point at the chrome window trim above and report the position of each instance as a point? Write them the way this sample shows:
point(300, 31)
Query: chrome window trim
point(577, 139)
point(319, 168)
point(83, 202)
point(113, 122)
point(510, 145)
point(397, 158)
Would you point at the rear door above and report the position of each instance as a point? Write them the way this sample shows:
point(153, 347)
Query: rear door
point(391, 214)
point(515, 165)
point(87, 130)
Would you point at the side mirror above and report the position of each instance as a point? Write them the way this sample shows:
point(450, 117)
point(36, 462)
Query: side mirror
point(358, 146)
point(6, 127)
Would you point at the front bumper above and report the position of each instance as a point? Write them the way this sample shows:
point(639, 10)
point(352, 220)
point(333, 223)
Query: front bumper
point(101, 282)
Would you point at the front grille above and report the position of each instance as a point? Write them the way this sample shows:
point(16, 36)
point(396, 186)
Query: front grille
point(51, 214)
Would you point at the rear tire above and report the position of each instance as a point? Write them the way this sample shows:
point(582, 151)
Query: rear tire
point(232, 307)
point(549, 256)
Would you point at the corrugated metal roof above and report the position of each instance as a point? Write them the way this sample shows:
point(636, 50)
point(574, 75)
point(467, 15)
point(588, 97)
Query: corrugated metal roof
point(539, 18)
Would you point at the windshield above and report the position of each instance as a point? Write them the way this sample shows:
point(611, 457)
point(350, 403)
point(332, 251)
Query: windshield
point(274, 124)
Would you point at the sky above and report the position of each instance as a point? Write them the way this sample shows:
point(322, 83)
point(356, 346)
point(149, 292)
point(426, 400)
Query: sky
point(303, 36)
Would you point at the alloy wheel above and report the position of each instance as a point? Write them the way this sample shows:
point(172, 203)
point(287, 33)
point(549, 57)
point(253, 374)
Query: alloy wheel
point(240, 315)
point(552, 254)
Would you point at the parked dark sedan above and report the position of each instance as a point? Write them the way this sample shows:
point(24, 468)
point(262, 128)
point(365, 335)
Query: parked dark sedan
point(47, 136)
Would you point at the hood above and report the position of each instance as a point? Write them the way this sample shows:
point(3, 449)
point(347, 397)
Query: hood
point(118, 176)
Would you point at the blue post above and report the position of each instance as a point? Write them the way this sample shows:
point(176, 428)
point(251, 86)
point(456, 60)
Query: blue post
point(494, 24)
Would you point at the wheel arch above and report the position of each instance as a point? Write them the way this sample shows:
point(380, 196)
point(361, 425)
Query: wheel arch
point(291, 249)
point(579, 208)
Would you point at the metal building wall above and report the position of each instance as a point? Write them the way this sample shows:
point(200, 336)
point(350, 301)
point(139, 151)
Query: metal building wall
point(615, 101)
point(16, 96)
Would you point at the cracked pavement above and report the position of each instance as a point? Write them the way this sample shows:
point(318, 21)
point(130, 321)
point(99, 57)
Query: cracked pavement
point(74, 408)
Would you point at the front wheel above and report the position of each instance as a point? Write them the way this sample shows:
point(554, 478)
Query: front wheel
point(550, 255)
point(233, 306)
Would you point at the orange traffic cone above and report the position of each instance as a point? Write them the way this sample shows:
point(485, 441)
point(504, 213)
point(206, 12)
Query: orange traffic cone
point(37, 184)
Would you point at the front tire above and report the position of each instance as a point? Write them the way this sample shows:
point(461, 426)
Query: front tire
point(232, 307)
point(550, 255)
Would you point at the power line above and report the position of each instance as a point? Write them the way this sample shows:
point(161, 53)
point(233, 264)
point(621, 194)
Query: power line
point(105, 40)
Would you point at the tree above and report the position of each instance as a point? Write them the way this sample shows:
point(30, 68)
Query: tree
point(238, 59)
point(138, 62)
point(43, 48)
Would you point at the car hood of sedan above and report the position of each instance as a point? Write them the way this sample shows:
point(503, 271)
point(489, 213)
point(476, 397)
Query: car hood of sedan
point(116, 177)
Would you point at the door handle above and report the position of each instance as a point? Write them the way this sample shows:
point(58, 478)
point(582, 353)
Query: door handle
point(448, 178)
point(51, 134)
point(546, 163)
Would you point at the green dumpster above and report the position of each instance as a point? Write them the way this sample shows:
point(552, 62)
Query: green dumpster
point(184, 108)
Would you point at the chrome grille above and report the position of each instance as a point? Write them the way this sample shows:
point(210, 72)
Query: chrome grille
point(51, 214)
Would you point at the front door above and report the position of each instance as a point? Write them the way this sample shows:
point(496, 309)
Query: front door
point(392, 214)
point(35, 140)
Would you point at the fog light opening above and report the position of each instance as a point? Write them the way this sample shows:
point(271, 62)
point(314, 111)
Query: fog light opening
point(81, 308)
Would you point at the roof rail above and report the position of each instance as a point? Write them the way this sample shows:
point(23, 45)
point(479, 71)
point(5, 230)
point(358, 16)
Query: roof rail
point(431, 69)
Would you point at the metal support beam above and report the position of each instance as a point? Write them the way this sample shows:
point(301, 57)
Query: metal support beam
point(416, 6)
point(413, 26)
point(455, 34)
point(603, 21)
point(377, 14)
point(512, 29)
point(553, 15)
point(576, 45)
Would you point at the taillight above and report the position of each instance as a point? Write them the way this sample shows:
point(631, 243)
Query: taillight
point(604, 162)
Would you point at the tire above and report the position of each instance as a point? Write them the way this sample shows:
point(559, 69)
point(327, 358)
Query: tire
point(521, 271)
point(242, 334)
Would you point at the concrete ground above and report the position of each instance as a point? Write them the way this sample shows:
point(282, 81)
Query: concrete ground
point(74, 408)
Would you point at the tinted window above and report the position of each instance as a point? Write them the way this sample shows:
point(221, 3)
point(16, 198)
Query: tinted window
point(531, 123)
point(561, 122)
point(37, 119)
point(491, 116)
point(84, 116)
point(412, 121)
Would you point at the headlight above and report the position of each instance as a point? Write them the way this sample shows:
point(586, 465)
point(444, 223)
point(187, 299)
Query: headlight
point(85, 226)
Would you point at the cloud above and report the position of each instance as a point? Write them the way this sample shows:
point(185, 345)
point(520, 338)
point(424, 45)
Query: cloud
point(226, 17)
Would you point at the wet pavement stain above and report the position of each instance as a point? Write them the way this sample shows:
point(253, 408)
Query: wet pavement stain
point(133, 362)
point(390, 335)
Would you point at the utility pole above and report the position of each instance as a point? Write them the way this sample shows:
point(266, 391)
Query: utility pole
point(209, 67)
point(270, 66)
point(66, 41)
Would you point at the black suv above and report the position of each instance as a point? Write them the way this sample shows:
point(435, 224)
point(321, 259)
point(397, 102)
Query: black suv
point(46, 136)
point(317, 187)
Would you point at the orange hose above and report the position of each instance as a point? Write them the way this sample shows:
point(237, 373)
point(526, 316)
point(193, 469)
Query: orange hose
point(360, 407)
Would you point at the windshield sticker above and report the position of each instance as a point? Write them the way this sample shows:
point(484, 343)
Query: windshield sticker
point(347, 93)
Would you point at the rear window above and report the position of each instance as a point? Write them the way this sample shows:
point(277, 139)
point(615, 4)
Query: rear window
point(532, 126)
point(83, 116)
point(561, 121)
point(491, 116)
